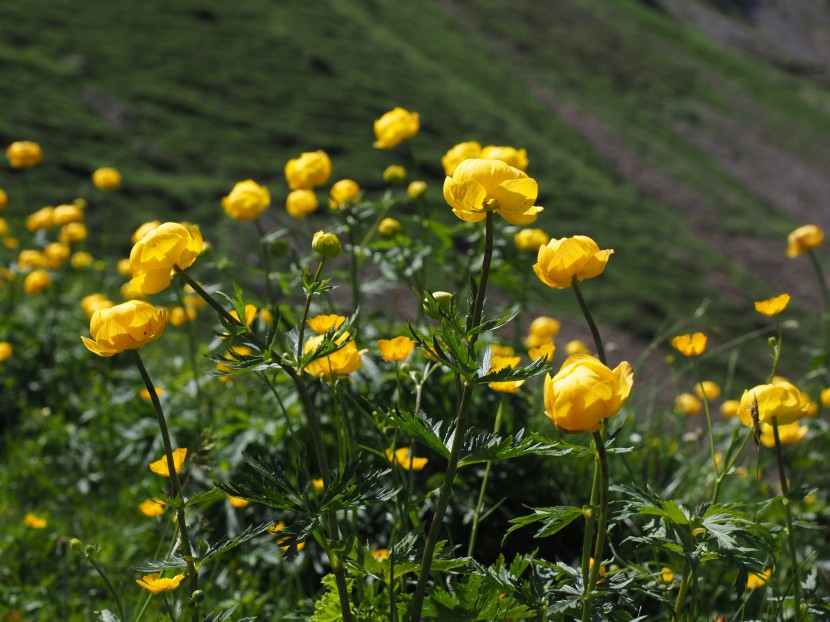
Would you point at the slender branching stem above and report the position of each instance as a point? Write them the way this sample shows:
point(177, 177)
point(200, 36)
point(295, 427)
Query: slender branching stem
point(590, 319)
point(681, 593)
point(602, 461)
point(105, 578)
point(309, 296)
point(705, 399)
point(785, 492)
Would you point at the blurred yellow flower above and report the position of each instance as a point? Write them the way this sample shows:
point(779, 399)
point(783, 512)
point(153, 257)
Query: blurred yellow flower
point(458, 153)
point(396, 349)
point(56, 253)
point(65, 214)
point(144, 229)
point(128, 292)
point(497, 363)
point(559, 262)
point(275, 529)
point(36, 281)
point(90, 304)
point(301, 203)
point(542, 331)
point(153, 256)
point(238, 502)
point(151, 508)
point(179, 316)
point(344, 193)
point(780, 400)
point(772, 306)
point(318, 483)
point(517, 158)
point(402, 458)
point(155, 585)
point(709, 388)
point(11, 243)
point(575, 346)
point(250, 314)
point(41, 219)
point(758, 579)
point(4, 199)
point(72, 232)
point(394, 174)
point(106, 178)
point(547, 350)
point(81, 260)
point(529, 240)
point(246, 201)
point(6, 351)
point(145, 394)
point(342, 362)
point(389, 228)
point(666, 575)
point(24, 154)
point(29, 258)
point(788, 434)
point(730, 408)
point(310, 170)
point(394, 127)
point(416, 189)
point(689, 345)
point(127, 326)
point(803, 239)
point(687, 404)
point(33, 521)
point(825, 397)
point(380, 554)
point(160, 466)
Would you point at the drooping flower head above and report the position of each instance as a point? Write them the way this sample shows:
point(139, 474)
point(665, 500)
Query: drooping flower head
point(394, 127)
point(803, 239)
point(154, 255)
point(560, 261)
point(127, 326)
point(246, 201)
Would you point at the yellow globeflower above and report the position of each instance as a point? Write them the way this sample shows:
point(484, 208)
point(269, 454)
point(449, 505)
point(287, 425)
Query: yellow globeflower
point(6, 351)
point(585, 392)
point(106, 178)
point(318, 483)
point(28, 259)
point(344, 193)
point(480, 186)
point(145, 393)
point(544, 326)
point(825, 397)
point(380, 554)
point(779, 400)
point(396, 349)
point(687, 404)
point(238, 502)
point(64, 214)
point(788, 434)
point(394, 174)
point(666, 575)
point(250, 314)
point(803, 239)
point(127, 326)
point(402, 458)
point(689, 345)
point(180, 316)
point(57, 254)
point(4, 199)
point(41, 219)
point(561, 261)
point(33, 521)
point(497, 363)
point(394, 127)
point(246, 201)
point(153, 256)
point(327, 244)
point(24, 154)
point(341, 362)
point(547, 350)
point(575, 346)
point(310, 170)
point(144, 229)
point(529, 240)
point(389, 228)
point(160, 466)
point(36, 281)
point(416, 189)
point(301, 203)
point(155, 585)
point(90, 304)
point(151, 508)
point(517, 158)
point(81, 260)
point(709, 388)
point(730, 408)
point(772, 306)
point(72, 233)
point(457, 154)
point(323, 323)
point(758, 579)
point(128, 292)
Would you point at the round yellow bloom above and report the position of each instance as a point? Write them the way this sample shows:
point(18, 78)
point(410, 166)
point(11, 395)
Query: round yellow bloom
point(342, 362)
point(72, 233)
point(758, 579)
point(803, 239)
point(561, 261)
point(33, 521)
point(687, 404)
point(396, 349)
point(127, 326)
point(4, 199)
point(327, 244)
point(402, 458)
point(772, 306)
point(730, 408)
point(154, 585)
point(151, 508)
point(81, 260)
point(106, 178)
point(145, 393)
point(825, 397)
point(318, 483)
point(457, 154)
point(575, 346)
point(547, 350)
point(394, 174)
point(544, 326)
point(323, 323)
point(11, 243)
point(250, 314)
point(123, 268)
point(246, 201)
point(517, 158)
point(56, 253)
point(128, 292)
point(344, 193)
point(709, 388)
point(689, 345)
point(238, 502)
point(585, 392)
point(301, 203)
point(497, 363)
point(90, 304)
point(154, 255)
point(179, 316)
point(24, 154)
point(160, 466)
point(498, 349)
point(41, 219)
point(416, 189)
point(529, 240)
point(480, 186)
point(265, 316)
point(394, 127)
point(788, 434)
point(666, 575)
point(64, 214)
point(6, 351)
point(144, 229)
point(780, 400)
point(311, 169)
point(389, 228)
point(36, 281)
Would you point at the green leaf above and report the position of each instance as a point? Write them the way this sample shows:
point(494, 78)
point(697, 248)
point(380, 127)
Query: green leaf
point(211, 495)
point(224, 545)
point(435, 436)
point(553, 520)
point(327, 609)
point(483, 447)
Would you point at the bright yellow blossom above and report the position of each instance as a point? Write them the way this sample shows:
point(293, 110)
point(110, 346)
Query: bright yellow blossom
point(517, 158)
point(310, 170)
point(690, 345)
point(24, 154)
point(804, 239)
point(238, 502)
point(344, 193)
point(154, 255)
point(394, 127)
point(709, 388)
point(127, 326)
point(687, 404)
point(155, 585)
point(151, 508)
point(402, 458)
point(561, 261)
point(758, 579)
point(106, 178)
point(323, 323)
point(772, 306)
point(160, 466)
point(33, 521)
point(529, 240)
point(301, 203)
point(396, 349)
point(246, 201)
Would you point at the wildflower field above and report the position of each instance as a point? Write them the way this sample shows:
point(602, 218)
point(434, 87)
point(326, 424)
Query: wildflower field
point(407, 394)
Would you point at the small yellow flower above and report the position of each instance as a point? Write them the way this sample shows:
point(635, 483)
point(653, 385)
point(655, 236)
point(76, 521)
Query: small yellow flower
point(4, 199)
point(389, 228)
point(394, 174)
point(758, 579)
point(238, 502)
point(559, 262)
point(65, 214)
point(457, 154)
point(250, 314)
point(497, 363)
point(529, 240)
point(690, 345)
point(301, 203)
point(402, 458)
point(575, 346)
point(323, 323)
point(36, 281)
point(128, 292)
point(265, 316)
point(542, 331)
point(502, 350)
point(788, 434)
point(825, 397)
point(144, 229)
point(318, 483)
point(396, 349)
point(57, 254)
point(155, 585)
point(344, 193)
point(687, 404)
point(106, 178)
point(394, 127)
point(547, 350)
point(275, 529)
point(310, 170)
point(416, 189)
point(730, 408)
point(381, 554)
point(160, 467)
point(151, 508)
point(772, 306)
point(517, 158)
point(6, 351)
point(666, 575)
point(24, 154)
point(709, 388)
point(804, 239)
point(342, 362)
point(41, 219)
point(145, 394)
point(246, 201)
point(81, 260)
point(327, 244)
point(179, 316)
point(33, 521)
point(127, 326)
point(154, 255)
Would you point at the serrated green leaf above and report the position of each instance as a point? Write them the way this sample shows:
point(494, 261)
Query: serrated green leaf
point(553, 520)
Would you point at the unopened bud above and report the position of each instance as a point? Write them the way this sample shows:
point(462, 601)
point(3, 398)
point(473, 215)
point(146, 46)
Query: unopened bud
point(75, 544)
point(89, 551)
point(444, 300)
point(416, 190)
point(326, 244)
point(394, 174)
point(389, 228)
point(197, 596)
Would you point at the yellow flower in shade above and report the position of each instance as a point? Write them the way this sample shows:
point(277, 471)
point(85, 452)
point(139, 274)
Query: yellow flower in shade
point(517, 158)
point(666, 575)
point(585, 392)
point(323, 323)
point(318, 483)
point(416, 189)
point(758, 579)
point(730, 408)
point(389, 228)
point(160, 466)
point(145, 394)
point(394, 127)
point(559, 262)
point(246, 201)
point(250, 314)
point(773, 306)
point(4, 199)
point(687, 404)
point(24, 154)
point(788, 434)
point(396, 349)
point(689, 345)
point(90, 304)
point(394, 174)
point(6, 351)
point(381, 554)
point(106, 178)
point(402, 458)
point(342, 362)
point(544, 326)
point(310, 170)
point(812, 408)
point(192, 300)
point(238, 502)
point(804, 239)
point(497, 363)
point(36, 281)
point(128, 292)
point(547, 350)
point(144, 229)
point(64, 214)
point(825, 397)
point(275, 529)
point(180, 316)
point(711, 389)
point(151, 508)
point(301, 203)
point(457, 154)
point(41, 219)
point(154, 255)
point(81, 260)
point(480, 186)
point(265, 316)
point(33, 521)
point(57, 254)
point(529, 240)
point(344, 193)
point(123, 268)
point(575, 346)
point(155, 585)
point(127, 326)
point(780, 400)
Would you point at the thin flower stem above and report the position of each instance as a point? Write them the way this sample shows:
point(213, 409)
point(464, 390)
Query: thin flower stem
point(681, 593)
point(266, 261)
point(301, 327)
point(727, 467)
point(477, 514)
point(602, 461)
point(708, 420)
point(589, 318)
point(785, 492)
point(452, 466)
point(825, 297)
point(588, 537)
point(110, 587)
point(777, 351)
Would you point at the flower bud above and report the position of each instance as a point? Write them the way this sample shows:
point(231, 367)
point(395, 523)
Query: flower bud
point(89, 551)
point(75, 544)
point(416, 189)
point(327, 244)
point(394, 174)
point(389, 228)
point(198, 596)
point(444, 300)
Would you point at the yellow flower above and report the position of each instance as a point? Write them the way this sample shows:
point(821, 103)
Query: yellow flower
point(4, 227)
point(144, 229)
point(773, 306)
point(394, 127)
point(529, 240)
point(24, 154)
point(301, 203)
point(72, 233)
point(416, 189)
point(394, 174)
point(36, 281)
point(396, 349)
point(381, 554)
point(250, 314)
point(389, 228)
point(803, 239)
point(277, 528)
point(402, 458)
point(666, 575)
point(106, 178)
point(780, 400)
point(547, 350)
point(6, 351)
point(687, 404)
point(457, 154)
point(265, 316)
point(127, 326)
point(246, 201)
point(544, 326)
point(517, 158)
point(689, 345)
point(128, 292)
point(344, 193)
point(81, 260)
point(151, 508)
point(238, 502)
point(235, 353)
point(41, 219)
point(560, 261)
point(758, 579)
point(480, 186)
point(788, 434)
point(497, 363)
point(29, 258)
point(90, 304)
point(342, 362)
point(327, 244)
point(825, 397)
point(575, 346)
point(11, 243)
point(64, 214)
point(145, 394)
point(730, 408)
point(33, 521)
point(179, 316)
point(711, 389)
point(311, 169)
point(318, 483)
point(585, 392)
point(56, 253)
point(160, 466)
point(154, 585)
point(154, 255)
point(4, 199)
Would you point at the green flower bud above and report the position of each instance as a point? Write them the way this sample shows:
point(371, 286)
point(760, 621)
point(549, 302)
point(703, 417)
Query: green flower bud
point(89, 551)
point(326, 244)
point(75, 544)
point(394, 174)
point(198, 596)
point(444, 300)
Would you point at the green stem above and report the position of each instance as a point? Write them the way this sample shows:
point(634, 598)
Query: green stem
point(776, 355)
point(110, 587)
point(708, 420)
point(309, 296)
point(602, 461)
point(477, 514)
point(589, 318)
point(588, 537)
point(825, 297)
point(790, 535)
point(452, 466)
point(727, 467)
point(681, 593)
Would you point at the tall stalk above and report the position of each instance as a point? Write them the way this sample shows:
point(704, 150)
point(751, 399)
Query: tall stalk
point(785, 492)
point(825, 298)
point(477, 514)
point(602, 463)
